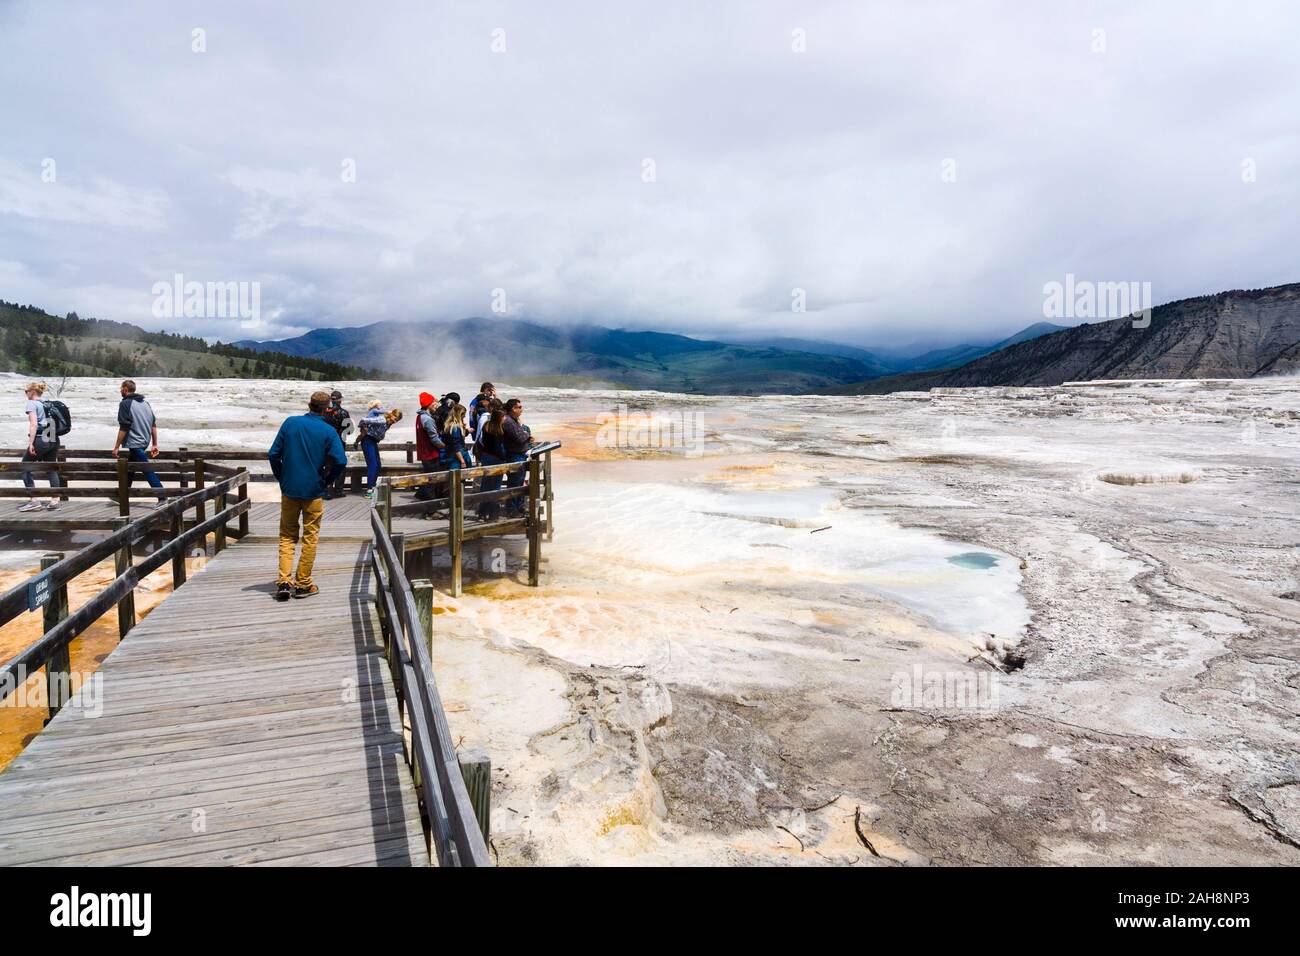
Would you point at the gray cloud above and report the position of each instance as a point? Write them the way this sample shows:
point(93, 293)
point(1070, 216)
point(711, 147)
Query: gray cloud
point(523, 170)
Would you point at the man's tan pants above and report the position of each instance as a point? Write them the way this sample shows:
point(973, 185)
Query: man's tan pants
point(311, 511)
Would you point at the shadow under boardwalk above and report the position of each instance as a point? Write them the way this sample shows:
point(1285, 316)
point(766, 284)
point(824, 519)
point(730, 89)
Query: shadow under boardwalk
point(235, 730)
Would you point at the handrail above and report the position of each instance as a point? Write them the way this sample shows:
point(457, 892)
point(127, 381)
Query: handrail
point(99, 473)
point(457, 839)
point(187, 454)
point(55, 640)
point(478, 471)
point(101, 550)
point(39, 652)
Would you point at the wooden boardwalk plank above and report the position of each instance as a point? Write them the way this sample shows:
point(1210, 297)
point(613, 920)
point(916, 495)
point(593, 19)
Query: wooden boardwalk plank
point(273, 723)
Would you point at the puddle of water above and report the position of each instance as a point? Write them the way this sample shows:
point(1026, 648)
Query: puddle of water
point(975, 560)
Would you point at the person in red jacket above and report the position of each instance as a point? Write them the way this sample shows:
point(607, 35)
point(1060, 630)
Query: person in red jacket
point(428, 443)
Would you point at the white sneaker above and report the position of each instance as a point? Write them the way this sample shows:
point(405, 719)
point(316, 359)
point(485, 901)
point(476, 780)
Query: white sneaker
point(54, 503)
point(32, 505)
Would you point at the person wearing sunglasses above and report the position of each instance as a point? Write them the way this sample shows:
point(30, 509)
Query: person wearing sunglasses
point(516, 437)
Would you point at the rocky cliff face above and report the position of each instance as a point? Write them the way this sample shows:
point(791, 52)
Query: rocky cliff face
point(1229, 335)
point(1238, 334)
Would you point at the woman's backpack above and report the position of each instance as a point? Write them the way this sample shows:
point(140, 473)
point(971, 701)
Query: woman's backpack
point(56, 410)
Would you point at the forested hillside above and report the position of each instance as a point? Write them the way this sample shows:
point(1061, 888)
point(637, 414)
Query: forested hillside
point(35, 342)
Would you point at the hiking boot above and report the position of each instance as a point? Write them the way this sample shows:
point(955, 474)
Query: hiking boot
point(32, 505)
point(306, 592)
point(282, 592)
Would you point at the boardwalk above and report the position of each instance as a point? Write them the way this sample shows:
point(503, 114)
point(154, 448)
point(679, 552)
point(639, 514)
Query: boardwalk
point(235, 730)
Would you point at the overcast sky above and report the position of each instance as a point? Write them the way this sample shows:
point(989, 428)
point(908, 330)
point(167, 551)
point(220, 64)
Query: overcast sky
point(1105, 140)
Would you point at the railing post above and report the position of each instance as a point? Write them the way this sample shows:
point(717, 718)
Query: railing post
point(410, 452)
point(200, 510)
point(178, 561)
point(534, 527)
point(422, 589)
point(550, 499)
point(242, 496)
point(122, 564)
point(455, 528)
point(58, 670)
point(219, 536)
point(123, 479)
point(399, 548)
point(183, 455)
point(384, 502)
point(62, 457)
point(476, 768)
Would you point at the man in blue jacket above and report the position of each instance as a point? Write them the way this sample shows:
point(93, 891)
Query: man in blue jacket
point(306, 456)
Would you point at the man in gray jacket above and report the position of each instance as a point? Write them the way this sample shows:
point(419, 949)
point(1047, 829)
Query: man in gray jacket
point(137, 429)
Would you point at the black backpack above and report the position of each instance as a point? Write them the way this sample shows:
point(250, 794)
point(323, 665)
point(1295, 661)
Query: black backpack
point(56, 410)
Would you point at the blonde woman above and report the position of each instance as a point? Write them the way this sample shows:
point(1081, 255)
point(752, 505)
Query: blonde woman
point(42, 445)
point(454, 432)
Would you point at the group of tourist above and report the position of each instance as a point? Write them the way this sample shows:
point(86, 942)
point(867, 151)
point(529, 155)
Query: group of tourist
point(309, 459)
point(450, 436)
point(309, 456)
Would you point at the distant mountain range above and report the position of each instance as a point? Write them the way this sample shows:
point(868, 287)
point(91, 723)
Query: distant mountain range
point(590, 356)
point(581, 356)
point(893, 363)
point(1237, 334)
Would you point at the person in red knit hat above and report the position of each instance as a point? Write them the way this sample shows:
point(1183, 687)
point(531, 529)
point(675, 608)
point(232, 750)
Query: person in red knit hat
point(428, 443)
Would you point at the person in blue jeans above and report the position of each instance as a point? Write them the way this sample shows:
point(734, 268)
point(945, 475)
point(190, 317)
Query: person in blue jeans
point(42, 445)
point(373, 428)
point(516, 438)
point(137, 429)
point(490, 449)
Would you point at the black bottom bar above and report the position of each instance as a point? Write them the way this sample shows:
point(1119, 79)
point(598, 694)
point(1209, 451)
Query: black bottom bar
point(916, 908)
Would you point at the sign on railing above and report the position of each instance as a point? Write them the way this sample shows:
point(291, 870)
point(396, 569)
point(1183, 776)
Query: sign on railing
point(39, 590)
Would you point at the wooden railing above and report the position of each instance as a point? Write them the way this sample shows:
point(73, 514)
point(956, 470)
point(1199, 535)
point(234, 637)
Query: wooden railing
point(181, 466)
point(535, 519)
point(49, 589)
point(458, 825)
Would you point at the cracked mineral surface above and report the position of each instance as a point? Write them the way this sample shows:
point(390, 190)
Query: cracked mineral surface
point(1045, 626)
